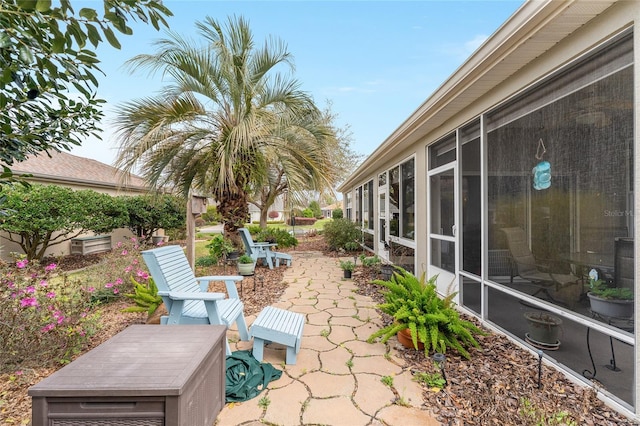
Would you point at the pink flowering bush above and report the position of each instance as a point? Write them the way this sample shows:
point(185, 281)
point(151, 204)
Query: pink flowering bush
point(41, 318)
point(111, 279)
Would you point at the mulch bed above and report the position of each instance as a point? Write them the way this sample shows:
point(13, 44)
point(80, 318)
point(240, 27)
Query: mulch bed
point(499, 384)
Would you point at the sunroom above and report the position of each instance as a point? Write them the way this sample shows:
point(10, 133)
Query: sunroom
point(514, 183)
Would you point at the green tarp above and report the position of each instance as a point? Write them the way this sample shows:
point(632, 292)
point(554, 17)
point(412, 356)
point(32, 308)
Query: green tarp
point(246, 377)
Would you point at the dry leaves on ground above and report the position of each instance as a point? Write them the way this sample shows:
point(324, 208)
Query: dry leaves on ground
point(499, 385)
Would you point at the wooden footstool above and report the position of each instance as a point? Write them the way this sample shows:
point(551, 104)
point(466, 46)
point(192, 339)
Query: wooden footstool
point(278, 326)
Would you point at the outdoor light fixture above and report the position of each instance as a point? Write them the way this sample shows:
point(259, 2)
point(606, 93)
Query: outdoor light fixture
point(542, 170)
point(440, 361)
point(540, 353)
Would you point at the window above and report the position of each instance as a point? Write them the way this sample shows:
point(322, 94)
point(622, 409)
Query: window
point(408, 199)
point(359, 205)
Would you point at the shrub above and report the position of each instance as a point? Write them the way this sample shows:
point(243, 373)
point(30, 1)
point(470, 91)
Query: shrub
point(433, 321)
point(314, 206)
point(212, 215)
point(206, 261)
point(42, 319)
point(280, 236)
point(42, 216)
point(337, 214)
point(253, 229)
point(219, 247)
point(111, 278)
point(342, 234)
point(148, 213)
point(307, 213)
point(301, 221)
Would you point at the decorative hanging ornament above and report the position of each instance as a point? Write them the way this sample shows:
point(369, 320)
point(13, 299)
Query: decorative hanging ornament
point(542, 170)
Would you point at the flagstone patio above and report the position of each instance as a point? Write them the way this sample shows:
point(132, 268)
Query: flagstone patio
point(337, 379)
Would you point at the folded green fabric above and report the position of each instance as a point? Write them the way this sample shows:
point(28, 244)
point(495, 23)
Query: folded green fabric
point(246, 377)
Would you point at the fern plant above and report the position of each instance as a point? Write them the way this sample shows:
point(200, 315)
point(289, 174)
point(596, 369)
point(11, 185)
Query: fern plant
point(415, 304)
point(145, 297)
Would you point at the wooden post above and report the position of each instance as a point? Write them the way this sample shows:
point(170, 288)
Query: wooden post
point(191, 232)
point(195, 206)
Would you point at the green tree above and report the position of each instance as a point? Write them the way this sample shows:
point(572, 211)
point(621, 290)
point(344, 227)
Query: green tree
point(47, 215)
point(314, 206)
point(46, 51)
point(148, 213)
point(228, 105)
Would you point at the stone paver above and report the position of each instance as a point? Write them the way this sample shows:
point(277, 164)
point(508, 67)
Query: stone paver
point(337, 379)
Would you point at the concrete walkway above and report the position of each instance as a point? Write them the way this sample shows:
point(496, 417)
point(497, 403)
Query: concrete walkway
point(337, 379)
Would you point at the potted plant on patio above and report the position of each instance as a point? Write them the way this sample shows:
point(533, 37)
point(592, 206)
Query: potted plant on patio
point(246, 265)
point(347, 267)
point(544, 329)
point(431, 322)
point(609, 302)
point(221, 248)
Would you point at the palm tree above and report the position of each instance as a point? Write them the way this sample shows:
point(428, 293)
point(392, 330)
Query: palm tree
point(225, 109)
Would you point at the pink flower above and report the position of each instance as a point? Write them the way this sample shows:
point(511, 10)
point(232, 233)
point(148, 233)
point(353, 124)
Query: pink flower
point(30, 289)
point(51, 295)
point(142, 274)
point(116, 291)
point(125, 252)
point(108, 285)
point(47, 328)
point(44, 283)
point(91, 289)
point(28, 301)
point(119, 244)
point(50, 267)
point(128, 269)
point(22, 263)
point(119, 281)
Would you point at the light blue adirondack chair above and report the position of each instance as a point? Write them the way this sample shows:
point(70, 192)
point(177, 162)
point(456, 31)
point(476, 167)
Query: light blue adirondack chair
point(186, 297)
point(262, 250)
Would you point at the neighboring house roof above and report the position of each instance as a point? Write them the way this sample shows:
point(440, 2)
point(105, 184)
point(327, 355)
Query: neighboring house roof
point(67, 169)
point(332, 206)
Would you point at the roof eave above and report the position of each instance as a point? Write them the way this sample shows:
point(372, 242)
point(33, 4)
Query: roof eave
point(516, 37)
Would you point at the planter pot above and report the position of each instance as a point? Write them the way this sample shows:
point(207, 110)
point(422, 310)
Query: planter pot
point(612, 308)
point(347, 273)
point(543, 328)
point(246, 268)
point(157, 239)
point(404, 338)
point(386, 271)
point(233, 256)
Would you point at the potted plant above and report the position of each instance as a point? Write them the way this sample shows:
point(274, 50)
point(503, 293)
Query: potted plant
point(347, 267)
point(543, 329)
point(430, 320)
point(246, 265)
point(609, 302)
point(220, 247)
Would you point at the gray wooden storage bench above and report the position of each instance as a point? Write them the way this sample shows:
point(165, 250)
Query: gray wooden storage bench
point(278, 326)
point(145, 375)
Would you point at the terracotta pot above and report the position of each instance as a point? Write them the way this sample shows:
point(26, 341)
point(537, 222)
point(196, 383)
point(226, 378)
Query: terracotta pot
point(404, 337)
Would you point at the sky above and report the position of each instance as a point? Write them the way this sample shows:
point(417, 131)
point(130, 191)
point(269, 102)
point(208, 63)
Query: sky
point(373, 62)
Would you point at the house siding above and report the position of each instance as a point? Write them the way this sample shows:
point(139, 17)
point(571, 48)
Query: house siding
point(540, 38)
